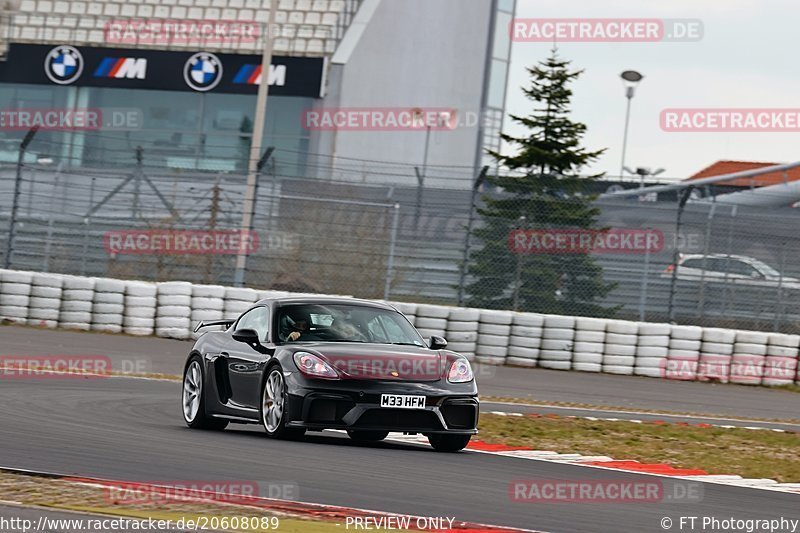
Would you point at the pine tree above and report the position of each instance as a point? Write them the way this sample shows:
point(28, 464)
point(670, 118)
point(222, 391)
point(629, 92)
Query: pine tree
point(550, 193)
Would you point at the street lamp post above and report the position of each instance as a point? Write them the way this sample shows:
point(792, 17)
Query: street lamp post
point(630, 78)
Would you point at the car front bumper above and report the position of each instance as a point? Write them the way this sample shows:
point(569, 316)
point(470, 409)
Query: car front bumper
point(355, 404)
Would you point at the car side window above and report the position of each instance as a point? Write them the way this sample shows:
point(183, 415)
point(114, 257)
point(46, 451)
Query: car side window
point(257, 319)
point(693, 263)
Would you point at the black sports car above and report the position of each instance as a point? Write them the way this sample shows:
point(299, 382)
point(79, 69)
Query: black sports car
point(297, 364)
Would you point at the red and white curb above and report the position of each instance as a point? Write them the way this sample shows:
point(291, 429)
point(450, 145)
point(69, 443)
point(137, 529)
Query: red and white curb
point(602, 461)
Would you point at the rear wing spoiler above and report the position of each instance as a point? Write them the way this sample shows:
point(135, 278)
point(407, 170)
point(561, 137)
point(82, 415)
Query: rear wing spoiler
point(207, 323)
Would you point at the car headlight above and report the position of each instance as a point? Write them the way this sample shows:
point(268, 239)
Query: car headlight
point(460, 372)
point(311, 365)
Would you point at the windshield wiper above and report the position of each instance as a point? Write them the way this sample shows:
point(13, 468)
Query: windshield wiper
point(407, 344)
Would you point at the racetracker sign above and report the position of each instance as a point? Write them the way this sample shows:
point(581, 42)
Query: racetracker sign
point(193, 70)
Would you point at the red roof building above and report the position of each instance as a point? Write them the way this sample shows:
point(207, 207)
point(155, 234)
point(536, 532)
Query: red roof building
point(728, 167)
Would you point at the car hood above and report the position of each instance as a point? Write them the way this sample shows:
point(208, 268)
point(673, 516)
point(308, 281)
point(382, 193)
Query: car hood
point(381, 361)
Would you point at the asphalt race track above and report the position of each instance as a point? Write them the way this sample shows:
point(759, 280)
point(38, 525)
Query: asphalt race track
point(166, 356)
point(131, 429)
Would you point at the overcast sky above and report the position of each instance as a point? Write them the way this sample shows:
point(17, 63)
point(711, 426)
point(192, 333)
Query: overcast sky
point(747, 59)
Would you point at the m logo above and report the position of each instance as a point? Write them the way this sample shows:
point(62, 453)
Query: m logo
point(251, 75)
point(122, 67)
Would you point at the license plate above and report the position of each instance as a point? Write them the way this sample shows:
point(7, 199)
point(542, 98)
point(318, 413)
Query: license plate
point(402, 401)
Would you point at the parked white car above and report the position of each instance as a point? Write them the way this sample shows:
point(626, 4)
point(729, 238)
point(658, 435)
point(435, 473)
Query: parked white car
point(738, 269)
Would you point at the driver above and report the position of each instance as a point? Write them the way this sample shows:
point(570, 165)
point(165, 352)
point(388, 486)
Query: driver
point(299, 328)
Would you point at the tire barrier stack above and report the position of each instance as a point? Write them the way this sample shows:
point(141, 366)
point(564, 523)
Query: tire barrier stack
point(716, 352)
point(781, 364)
point(619, 355)
point(108, 305)
point(652, 349)
point(494, 329)
point(684, 353)
point(749, 356)
point(174, 311)
point(558, 336)
point(15, 295)
point(431, 320)
point(141, 300)
point(238, 300)
point(208, 303)
point(171, 309)
point(77, 299)
point(526, 339)
point(462, 331)
point(45, 302)
point(590, 338)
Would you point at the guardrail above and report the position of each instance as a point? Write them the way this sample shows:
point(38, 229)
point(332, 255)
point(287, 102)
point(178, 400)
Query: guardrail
point(667, 351)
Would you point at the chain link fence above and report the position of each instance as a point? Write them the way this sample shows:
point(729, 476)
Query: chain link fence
point(369, 229)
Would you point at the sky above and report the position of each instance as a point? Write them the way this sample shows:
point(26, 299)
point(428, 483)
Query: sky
point(747, 58)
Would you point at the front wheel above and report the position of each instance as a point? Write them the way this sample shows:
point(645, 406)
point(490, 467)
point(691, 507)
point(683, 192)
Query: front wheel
point(193, 399)
point(274, 406)
point(448, 443)
point(367, 436)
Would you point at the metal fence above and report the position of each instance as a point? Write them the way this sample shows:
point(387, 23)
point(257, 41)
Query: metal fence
point(373, 232)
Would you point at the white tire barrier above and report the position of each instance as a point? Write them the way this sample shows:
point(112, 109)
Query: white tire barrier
point(525, 342)
point(652, 349)
point(15, 292)
point(714, 367)
point(76, 303)
point(779, 371)
point(208, 303)
point(619, 355)
point(173, 311)
point(492, 348)
point(747, 369)
point(108, 305)
point(44, 305)
point(140, 308)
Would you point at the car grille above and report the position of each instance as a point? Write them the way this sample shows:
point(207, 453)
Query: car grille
point(399, 419)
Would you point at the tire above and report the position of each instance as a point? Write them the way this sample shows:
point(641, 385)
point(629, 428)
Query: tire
point(590, 336)
point(526, 331)
point(433, 311)
point(583, 323)
point(274, 422)
point(464, 314)
point(489, 316)
point(532, 320)
point(462, 326)
point(449, 443)
point(494, 329)
point(622, 327)
point(367, 436)
point(195, 414)
point(650, 328)
point(558, 334)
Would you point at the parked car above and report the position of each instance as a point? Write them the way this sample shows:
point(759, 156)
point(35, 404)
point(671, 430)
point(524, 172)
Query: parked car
point(722, 268)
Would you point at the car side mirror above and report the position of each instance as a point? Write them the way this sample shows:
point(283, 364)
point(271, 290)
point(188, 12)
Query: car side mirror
point(437, 343)
point(247, 336)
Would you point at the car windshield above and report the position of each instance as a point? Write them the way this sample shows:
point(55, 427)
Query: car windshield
point(344, 323)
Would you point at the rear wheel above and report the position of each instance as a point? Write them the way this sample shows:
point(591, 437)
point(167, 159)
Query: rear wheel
point(367, 436)
point(448, 443)
point(274, 406)
point(193, 398)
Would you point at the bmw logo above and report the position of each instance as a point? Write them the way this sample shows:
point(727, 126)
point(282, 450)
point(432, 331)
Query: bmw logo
point(63, 65)
point(203, 71)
